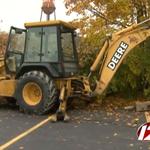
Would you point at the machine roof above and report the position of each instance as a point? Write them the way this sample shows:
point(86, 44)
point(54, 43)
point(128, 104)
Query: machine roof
point(49, 23)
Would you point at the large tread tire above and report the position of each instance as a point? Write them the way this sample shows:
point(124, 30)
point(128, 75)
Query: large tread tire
point(50, 95)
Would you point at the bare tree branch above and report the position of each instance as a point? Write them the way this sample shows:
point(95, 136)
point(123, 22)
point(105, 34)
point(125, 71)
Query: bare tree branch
point(101, 15)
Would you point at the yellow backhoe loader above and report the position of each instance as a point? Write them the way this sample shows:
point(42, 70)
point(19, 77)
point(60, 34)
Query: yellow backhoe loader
point(40, 65)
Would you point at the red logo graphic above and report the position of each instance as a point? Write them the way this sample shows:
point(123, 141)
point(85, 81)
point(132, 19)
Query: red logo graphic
point(143, 132)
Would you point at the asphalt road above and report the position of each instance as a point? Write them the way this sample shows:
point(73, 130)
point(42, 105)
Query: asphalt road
point(96, 130)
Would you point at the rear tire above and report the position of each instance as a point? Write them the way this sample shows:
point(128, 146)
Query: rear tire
point(36, 93)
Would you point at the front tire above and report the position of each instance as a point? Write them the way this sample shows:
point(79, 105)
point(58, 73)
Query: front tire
point(36, 93)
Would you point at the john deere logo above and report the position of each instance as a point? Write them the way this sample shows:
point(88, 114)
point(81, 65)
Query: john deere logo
point(118, 55)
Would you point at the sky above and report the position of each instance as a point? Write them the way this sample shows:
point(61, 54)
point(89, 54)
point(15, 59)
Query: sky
point(17, 12)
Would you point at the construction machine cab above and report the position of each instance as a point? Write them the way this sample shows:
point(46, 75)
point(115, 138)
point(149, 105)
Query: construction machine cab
point(43, 57)
point(48, 46)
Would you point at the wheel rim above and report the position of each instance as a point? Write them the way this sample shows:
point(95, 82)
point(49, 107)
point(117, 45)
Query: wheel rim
point(32, 93)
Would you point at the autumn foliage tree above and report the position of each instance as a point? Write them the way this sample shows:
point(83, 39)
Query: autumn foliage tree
point(3, 42)
point(97, 18)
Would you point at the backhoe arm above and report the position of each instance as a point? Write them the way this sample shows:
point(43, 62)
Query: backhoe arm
point(116, 49)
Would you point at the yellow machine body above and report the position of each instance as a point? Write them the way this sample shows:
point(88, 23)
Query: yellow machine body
point(110, 57)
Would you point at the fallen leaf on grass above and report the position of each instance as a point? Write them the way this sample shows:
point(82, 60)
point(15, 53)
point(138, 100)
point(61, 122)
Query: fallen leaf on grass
point(21, 147)
point(129, 124)
point(115, 134)
point(131, 145)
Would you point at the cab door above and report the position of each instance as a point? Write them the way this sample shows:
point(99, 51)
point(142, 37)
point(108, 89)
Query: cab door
point(70, 58)
point(15, 49)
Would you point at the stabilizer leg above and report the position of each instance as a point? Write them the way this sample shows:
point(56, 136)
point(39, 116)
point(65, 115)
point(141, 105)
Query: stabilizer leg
point(61, 114)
